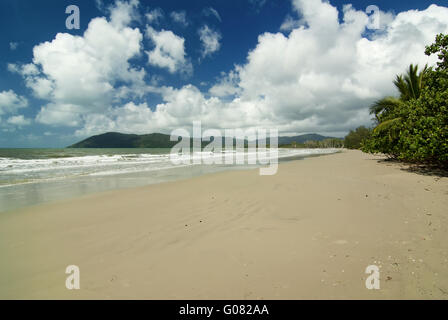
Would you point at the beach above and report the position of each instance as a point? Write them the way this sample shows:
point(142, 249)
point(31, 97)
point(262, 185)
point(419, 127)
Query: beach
point(308, 232)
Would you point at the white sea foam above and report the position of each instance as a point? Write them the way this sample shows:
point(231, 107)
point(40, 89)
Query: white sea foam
point(18, 171)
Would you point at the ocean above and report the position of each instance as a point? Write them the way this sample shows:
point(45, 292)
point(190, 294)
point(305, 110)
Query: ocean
point(34, 176)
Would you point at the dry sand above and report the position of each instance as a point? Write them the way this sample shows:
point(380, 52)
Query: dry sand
point(308, 232)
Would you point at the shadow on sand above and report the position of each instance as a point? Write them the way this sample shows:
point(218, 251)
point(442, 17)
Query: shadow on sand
point(422, 169)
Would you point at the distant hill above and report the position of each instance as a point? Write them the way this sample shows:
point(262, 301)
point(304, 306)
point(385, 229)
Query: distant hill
point(121, 140)
point(158, 140)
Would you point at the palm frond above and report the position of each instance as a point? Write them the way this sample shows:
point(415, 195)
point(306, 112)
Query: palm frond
point(411, 84)
point(386, 125)
point(402, 87)
point(385, 106)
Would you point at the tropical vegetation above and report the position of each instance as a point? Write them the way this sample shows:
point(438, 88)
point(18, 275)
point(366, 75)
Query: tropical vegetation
point(414, 126)
point(355, 138)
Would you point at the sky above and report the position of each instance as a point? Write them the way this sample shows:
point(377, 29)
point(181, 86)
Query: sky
point(138, 66)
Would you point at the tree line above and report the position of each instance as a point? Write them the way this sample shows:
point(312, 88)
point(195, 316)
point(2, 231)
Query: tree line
point(314, 144)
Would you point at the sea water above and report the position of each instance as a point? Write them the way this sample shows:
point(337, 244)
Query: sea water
point(34, 176)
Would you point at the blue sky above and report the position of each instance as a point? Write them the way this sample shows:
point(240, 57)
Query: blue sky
point(228, 64)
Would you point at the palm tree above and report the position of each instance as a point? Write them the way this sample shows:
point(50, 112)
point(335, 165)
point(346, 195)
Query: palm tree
point(409, 86)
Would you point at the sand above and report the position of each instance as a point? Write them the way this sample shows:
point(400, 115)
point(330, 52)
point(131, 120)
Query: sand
point(308, 232)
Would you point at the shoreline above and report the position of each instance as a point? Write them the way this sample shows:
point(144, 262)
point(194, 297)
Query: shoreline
point(57, 189)
point(308, 232)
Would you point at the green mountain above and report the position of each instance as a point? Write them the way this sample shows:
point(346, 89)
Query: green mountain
point(121, 140)
point(158, 140)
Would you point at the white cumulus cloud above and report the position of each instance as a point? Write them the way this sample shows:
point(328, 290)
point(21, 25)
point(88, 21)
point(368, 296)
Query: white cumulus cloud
point(155, 16)
point(19, 121)
point(78, 75)
point(210, 41)
point(180, 17)
point(10, 102)
point(168, 52)
point(290, 24)
point(227, 85)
